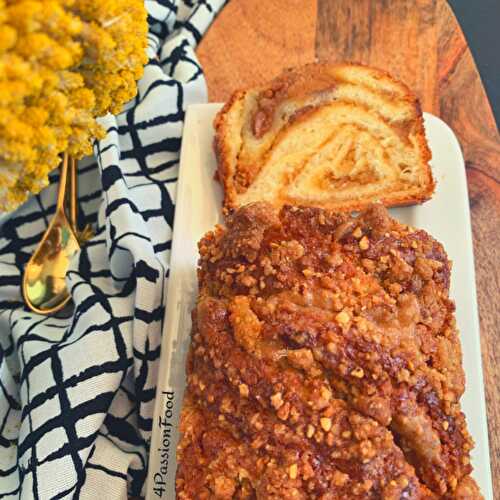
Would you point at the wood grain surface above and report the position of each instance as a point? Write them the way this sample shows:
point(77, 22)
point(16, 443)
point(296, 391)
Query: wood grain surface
point(420, 42)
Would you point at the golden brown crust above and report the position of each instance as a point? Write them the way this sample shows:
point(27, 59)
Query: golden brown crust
point(221, 149)
point(314, 85)
point(325, 363)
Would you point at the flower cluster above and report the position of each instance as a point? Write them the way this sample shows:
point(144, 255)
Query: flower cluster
point(62, 64)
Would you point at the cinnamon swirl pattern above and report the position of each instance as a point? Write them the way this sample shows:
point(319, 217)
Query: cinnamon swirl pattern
point(334, 136)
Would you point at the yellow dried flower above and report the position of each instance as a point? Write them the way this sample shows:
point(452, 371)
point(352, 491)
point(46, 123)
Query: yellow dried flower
point(62, 64)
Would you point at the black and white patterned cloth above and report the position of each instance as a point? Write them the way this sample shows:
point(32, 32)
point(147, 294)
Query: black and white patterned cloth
point(77, 389)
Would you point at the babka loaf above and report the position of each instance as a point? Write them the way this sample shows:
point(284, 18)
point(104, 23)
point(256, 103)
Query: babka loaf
point(325, 363)
point(333, 136)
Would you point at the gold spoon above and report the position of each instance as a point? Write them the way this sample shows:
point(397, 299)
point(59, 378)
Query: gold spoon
point(44, 280)
point(73, 195)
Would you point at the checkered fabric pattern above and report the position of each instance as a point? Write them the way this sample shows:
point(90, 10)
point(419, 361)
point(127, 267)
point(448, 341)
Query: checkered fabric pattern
point(77, 389)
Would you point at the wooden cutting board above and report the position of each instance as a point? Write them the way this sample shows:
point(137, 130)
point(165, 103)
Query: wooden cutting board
point(420, 42)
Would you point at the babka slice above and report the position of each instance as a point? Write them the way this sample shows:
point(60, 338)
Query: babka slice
point(337, 136)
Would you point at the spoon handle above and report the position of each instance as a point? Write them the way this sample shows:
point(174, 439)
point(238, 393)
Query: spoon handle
point(86, 233)
point(73, 195)
point(61, 195)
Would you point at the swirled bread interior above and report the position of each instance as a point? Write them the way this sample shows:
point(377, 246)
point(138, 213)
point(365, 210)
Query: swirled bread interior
point(333, 136)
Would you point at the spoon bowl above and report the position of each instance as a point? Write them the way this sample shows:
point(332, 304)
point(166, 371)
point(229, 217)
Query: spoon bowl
point(44, 280)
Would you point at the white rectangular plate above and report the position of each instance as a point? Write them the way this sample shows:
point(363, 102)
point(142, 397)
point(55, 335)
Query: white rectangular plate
point(198, 209)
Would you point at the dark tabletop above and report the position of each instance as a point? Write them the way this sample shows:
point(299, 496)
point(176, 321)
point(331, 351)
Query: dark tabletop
point(480, 22)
